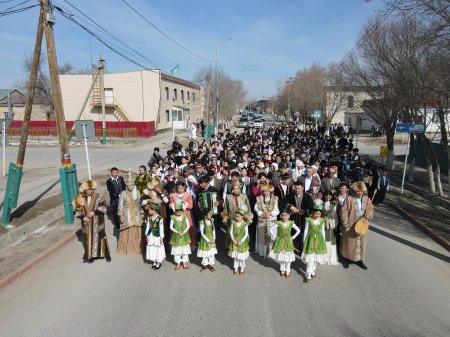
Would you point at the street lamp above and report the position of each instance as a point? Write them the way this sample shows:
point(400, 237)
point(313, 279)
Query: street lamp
point(216, 126)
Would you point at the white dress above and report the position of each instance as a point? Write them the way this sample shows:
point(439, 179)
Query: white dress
point(155, 249)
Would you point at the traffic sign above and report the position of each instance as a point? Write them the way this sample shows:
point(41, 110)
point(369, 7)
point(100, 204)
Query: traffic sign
point(88, 131)
point(316, 114)
point(408, 127)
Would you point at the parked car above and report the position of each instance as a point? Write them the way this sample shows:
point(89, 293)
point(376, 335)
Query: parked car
point(258, 123)
point(243, 122)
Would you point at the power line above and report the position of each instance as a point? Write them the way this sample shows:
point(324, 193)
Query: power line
point(108, 45)
point(17, 10)
point(114, 37)
point(167, 36)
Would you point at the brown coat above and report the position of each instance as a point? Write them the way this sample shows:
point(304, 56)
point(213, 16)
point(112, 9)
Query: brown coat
point(349, 245)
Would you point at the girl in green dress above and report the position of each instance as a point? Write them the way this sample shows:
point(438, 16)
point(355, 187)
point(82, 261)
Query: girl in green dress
point(238, 246)
point(207, 246)
point(180, 241)
point(283, 247)
point(314, 246)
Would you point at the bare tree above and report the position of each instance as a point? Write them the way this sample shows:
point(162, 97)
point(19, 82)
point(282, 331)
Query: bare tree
point(231, 92)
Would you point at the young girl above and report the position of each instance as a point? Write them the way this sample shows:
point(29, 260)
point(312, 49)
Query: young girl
point(314, 247)
point(155, 235)
point(179, 225)
point(207, 246)
point(238, 247)
point(283, 248)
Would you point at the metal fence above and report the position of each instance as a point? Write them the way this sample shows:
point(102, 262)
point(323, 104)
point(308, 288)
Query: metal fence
point(113, 135)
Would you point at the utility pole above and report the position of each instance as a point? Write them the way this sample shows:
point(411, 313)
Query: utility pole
point(56, 87)
point(101, 67)
point(15, 170)
point(69, 181)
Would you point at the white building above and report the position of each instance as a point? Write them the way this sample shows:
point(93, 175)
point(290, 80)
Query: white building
point(135, 96)
point(345, 103)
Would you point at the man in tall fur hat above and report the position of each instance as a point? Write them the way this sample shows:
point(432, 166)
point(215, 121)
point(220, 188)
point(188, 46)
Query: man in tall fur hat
point(91, 209)
point(353, 245)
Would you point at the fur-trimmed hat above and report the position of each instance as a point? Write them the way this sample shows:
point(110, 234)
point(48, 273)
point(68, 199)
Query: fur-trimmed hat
point(266, 187)
point(88, 185)
point(156, 181)
point(359, 186)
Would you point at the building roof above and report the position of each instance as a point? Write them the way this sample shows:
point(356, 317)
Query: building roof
point(4, 93)
point(174, 79)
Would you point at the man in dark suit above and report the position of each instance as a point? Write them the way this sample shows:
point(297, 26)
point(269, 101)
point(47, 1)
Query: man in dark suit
point(115, 185)
point(283, 190)
point(155, 158)
point(299, 205)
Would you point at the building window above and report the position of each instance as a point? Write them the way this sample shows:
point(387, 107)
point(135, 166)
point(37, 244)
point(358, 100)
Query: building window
point(188, 95)
point(167, 116)
point(175, 94)
point(193, 97)
point(351, 101)
point(182, 95)
point(167, 92)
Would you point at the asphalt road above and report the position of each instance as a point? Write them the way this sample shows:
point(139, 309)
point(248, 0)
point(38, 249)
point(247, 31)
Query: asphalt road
point(405, 292)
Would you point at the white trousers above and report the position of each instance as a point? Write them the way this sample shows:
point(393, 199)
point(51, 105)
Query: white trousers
point(181, 258)
point(311, 268)
point(285, 267)
point(208, 261)
point(239, 264)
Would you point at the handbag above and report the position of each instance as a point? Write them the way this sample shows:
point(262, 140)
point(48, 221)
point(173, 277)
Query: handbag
point(362, 226)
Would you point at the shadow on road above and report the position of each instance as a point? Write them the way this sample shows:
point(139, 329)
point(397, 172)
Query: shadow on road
point(28, 205)
point(411, 244)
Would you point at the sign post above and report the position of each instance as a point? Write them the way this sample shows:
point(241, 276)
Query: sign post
point(408, 128)
point(85, 132)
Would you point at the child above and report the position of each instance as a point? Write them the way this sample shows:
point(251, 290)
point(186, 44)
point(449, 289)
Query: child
point(238, 247)
point(180, 241)
point(155, 235)
point(314, 246)
point(283, 247)
point(207, 246)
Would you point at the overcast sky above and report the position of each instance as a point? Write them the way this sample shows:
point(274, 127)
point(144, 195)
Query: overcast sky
point(271, 40)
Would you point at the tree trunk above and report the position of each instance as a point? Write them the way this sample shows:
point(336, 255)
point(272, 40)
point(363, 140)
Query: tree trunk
point(420, 139)
point(444, 141)
point(412, 158)
point(390, 145)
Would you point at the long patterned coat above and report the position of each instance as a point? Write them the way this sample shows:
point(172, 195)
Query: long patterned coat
point(353, 246)
point(94, 235)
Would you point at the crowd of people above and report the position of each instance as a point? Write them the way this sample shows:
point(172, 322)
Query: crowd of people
point(271, 192)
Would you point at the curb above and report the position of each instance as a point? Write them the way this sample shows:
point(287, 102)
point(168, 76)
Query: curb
point(431, 232)
point(29, 265)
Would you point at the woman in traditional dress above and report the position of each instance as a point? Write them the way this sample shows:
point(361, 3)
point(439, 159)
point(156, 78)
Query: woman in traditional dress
point(353, 246)
point(331, 219)
point(266, 208)
point(142, 179)
point(181, 196)
point(91, 209)
point(314, 246)
point(155, 234)
point(207, 246)
point(238, 246)
point(283, 248)
point(129, 212)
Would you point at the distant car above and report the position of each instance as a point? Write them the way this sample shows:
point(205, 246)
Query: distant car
point(243, 122)
point(258, 123)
